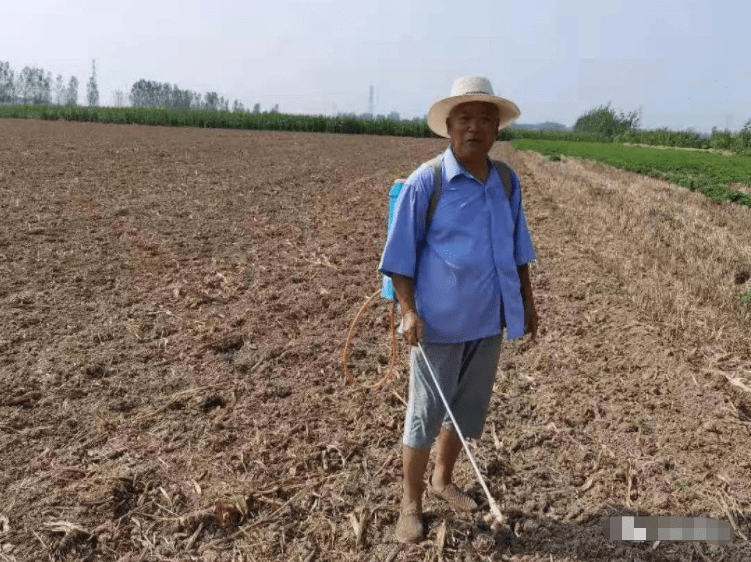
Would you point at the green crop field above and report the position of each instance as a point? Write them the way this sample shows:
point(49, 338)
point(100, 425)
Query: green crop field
point(707, 172)
point(214, 118)
point(184, 117)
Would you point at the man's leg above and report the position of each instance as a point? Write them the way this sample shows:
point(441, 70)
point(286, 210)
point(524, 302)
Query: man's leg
point(422, 422)
point(449, 447)
point(470, 405)
point(425, 413)
point(415, 462)
point(409, 526)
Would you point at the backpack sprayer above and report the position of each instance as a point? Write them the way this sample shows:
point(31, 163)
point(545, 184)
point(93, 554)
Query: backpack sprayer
point(387, 292)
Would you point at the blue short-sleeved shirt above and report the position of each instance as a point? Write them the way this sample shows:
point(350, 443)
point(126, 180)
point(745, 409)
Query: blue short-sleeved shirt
point(465, 277)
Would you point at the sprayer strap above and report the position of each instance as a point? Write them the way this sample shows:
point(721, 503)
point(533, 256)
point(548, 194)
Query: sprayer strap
point(436, 164)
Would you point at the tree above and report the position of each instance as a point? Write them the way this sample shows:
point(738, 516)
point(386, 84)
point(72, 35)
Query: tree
point(211, 101)
point(275, 109)
point(181, 98)
point(119, 98)
point(92, 92)
point(257, 108)
point(604, 121)
point(71, 95)
point(39, 87)
point(238, 107)
point(59, 90)
point(24, 85)
point(747, 127)
point(164, 95)
point(142, 94)
point(46, 89)
point(147, 93)
point(7, 83)
point(31, 86)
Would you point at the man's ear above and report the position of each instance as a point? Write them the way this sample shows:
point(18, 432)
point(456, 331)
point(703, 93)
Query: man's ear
point(448, 125)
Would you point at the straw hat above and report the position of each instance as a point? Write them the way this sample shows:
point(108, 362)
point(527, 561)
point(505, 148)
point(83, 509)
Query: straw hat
point(466, 89)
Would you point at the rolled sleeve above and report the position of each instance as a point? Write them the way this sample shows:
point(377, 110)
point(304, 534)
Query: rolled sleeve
point(524, 250)
point(407, 227)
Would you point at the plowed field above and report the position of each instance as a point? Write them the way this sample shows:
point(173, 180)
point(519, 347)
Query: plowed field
point(173, 307)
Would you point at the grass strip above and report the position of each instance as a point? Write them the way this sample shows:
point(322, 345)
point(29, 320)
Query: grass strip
point(706, 172)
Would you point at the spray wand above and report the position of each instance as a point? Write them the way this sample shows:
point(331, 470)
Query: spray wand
point(494, 509)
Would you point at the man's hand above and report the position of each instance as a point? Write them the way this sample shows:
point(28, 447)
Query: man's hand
point(530, 314)
point(411, 327)
point(411, 323)
point(530, 319)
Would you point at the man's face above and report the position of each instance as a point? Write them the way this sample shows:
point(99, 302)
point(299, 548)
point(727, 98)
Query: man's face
point(473, 128)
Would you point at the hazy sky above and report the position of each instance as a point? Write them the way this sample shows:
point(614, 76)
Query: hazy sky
point(684, 62)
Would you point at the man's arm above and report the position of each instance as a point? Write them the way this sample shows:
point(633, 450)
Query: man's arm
point(405, 292)
point(530, 314)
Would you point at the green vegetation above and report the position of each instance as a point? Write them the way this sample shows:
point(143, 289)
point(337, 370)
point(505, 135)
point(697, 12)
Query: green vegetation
point(720, 140)
point(212, 116)
point(706, 172)
point(272, 120)
point(746, 298)
point(550, 134)
point(619, 128)
point(604, 121)
point(183, 117)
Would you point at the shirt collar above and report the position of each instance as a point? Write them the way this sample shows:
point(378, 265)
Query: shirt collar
point(452, 166)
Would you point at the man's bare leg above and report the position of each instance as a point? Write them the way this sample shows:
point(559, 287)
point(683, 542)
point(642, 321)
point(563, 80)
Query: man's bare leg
point(409, 526)
point(415, 462)
point(449, 447)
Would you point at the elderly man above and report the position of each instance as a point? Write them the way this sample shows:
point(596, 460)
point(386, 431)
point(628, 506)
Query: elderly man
point(460, 279)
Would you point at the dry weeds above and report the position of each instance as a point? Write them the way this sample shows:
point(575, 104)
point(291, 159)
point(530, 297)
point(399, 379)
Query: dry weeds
point(172, 314)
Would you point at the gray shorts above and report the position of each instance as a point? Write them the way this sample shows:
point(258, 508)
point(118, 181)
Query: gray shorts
point(466, 372)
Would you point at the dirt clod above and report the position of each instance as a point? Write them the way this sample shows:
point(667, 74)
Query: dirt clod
point(211, 402)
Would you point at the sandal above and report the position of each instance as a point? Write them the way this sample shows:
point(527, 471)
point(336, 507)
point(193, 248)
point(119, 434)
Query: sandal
point(452, 495)
point(409, 526)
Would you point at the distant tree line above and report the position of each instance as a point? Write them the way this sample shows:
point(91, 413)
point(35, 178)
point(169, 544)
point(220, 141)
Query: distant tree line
point(148, 93)
point(34, 86)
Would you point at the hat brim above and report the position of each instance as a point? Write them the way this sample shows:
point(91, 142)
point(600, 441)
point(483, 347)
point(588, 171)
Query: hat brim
point(439, 111)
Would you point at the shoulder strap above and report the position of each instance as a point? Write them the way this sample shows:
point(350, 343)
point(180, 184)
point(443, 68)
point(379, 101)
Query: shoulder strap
point(436, 164)
point(504, 172)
